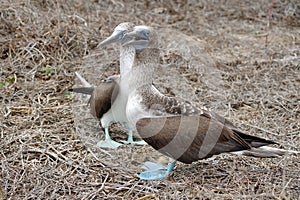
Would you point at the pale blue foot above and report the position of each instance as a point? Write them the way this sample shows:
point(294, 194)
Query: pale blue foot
point(130, 139)
point(108, 142)
point(149, 166)
point(156, 171)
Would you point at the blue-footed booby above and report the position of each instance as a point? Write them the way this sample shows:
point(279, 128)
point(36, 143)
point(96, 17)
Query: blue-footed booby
point(173, 126)
point(106, 102)
point(116, 113)
point(101, 99)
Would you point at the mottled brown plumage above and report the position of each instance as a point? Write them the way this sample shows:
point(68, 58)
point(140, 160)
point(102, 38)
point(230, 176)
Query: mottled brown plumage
point(170, 105)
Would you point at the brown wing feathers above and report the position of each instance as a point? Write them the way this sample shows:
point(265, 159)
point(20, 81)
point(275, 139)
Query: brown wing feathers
point(101, 97)
point(176, 137)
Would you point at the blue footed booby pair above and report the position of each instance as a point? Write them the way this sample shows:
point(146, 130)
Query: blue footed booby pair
point(173, 126)
point(108, 100)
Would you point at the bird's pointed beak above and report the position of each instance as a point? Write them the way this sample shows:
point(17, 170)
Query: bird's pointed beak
point(135, 42)
point(116, 36)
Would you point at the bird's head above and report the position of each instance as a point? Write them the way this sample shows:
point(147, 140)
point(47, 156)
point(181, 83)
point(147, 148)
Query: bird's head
point(117, 35)
point(141, 37)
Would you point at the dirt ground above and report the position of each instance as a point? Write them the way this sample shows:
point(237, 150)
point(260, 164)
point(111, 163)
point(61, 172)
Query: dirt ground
point(238, 58)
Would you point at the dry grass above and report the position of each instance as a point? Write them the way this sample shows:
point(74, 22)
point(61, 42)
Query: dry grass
point(232, 66)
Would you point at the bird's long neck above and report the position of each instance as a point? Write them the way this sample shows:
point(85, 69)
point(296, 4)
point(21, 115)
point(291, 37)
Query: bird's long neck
point(127, 55)
point(141, 76)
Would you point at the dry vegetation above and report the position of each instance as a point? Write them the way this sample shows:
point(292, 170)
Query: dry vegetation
point(236, 64)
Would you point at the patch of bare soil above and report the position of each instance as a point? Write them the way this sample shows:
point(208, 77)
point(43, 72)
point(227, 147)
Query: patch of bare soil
point(238, 58)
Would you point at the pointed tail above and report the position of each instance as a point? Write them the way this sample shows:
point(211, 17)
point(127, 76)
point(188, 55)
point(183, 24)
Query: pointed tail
point(87, 89)
point(83, 90)
point(83, 81)
point(265, 152)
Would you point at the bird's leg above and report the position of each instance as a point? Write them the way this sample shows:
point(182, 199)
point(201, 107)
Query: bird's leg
point(170, 167)
point(108, 142)
point(130, 136)
point(130, 139)
point(156, 171)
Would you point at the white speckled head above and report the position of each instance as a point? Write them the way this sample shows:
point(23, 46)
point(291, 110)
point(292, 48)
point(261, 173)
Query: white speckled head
point(125, 26)
point(118, 34)
point(141, 37)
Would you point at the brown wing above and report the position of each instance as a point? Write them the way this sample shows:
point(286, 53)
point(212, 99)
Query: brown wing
point(103, 97)
point(189, 138)
point(252, 140)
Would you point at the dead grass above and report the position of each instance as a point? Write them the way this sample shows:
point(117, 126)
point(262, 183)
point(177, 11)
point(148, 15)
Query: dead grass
point(49, 152)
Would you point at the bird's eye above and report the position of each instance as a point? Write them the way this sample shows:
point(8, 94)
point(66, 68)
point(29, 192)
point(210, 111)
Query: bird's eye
point(146, 33)
point(123, 34)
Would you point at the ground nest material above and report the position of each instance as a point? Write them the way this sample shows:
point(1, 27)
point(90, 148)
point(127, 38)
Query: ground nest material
point(238, 58)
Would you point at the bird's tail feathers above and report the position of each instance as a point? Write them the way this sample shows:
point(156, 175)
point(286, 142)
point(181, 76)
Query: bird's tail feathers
point(83, 90)
point(82, 80)
point(265, 152)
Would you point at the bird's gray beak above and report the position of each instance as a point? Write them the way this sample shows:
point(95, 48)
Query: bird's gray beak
point(116, 36)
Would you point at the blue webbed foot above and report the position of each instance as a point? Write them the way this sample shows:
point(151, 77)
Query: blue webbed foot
point(130, 139)
point(141, 142)
point(153, 166)
point(156, 171)
point(108, 142)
